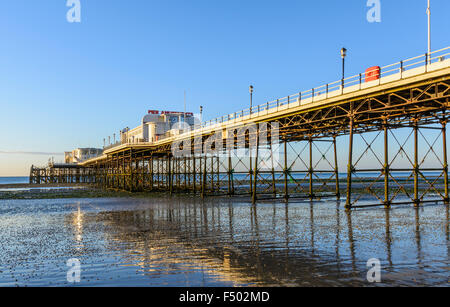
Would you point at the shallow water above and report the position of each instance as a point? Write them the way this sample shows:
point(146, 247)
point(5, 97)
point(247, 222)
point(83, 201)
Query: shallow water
point(14, 180)
point(218, 242)
point(40, 189)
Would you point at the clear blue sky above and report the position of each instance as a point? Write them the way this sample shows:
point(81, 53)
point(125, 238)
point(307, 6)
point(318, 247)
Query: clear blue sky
point(66, 85)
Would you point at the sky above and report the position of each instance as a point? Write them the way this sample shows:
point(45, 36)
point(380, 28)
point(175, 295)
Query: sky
point(67, 85)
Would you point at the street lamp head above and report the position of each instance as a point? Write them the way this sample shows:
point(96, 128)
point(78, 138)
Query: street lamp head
point(251, 89)
point(343, 53)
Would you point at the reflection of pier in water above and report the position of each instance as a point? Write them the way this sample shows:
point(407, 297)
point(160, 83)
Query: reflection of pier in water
point(272, 244)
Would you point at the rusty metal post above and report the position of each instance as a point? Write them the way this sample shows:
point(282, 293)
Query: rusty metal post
point(336, 169)
point(124, 177)
point(140, 177)
point(250, 170)
point(204, 176)
point(180, 174)
point(170, 174)
point(151, 173)
point(256, 168)
point(118, 170)
point(110, 173)
point(133, 173)
point(274, 187)
point(189, 173)
point(386, 168)
point(178, 170)
point(200, 174)
point(286, 172)
point(444, 145)
point(230, 172)
point(107, 172)
point(175, 173)
point(194, 183)
point(131, 170)
point(136, 174)
point(348, 204)
point(218, 173)
point(416, 164)
point(212, 173)
point(31, 175)
point(117, 174)
point(158, 169)
point(144, 172)
point(310, 171)
point(185, 174)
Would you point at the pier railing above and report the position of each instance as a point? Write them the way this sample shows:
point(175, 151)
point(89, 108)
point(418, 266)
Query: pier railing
point(396, 71)
point(393, 72)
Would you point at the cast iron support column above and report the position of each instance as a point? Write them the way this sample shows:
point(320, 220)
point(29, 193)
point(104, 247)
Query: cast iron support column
point(178, 163)
point(286, 170)
point(151, 173)
point(348, 204)
point(200, 174)
point(218, 173)
point(336, 169)
point(274, 184)
point(250, 170)
point(194, 166)
point(256, 168)
point(212, 173)
point(204, 177)
point(185, 186)
point(310, 171)
point(230, 174)
point(444, 145)
point(386, 168)
point(124, 177)
point(416, 164)
point(170, 174)
point(158, 169)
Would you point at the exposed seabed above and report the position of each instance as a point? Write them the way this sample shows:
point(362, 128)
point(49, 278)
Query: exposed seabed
point(187, 241)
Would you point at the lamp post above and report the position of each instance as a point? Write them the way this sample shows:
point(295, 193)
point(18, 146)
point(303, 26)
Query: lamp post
point(251, 98)
point(343, 55)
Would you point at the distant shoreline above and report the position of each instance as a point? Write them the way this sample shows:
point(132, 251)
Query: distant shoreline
point(50, 185)
point(55, 191)
point(64, 191)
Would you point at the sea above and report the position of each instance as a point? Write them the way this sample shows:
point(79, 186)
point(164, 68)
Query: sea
point(14, 180)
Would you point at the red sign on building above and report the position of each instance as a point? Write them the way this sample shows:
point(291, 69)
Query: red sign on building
point(169, 113)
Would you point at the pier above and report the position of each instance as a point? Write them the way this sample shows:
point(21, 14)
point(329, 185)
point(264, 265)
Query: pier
point(288, 148)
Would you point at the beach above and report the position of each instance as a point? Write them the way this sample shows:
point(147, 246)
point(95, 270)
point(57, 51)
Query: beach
point(186, 241)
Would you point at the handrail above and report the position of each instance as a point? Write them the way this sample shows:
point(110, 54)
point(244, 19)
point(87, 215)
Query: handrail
point(324, 91)
point(352, 80)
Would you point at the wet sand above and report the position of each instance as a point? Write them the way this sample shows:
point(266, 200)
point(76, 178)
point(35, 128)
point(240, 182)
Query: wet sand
point(49, 185)
point(183, 241)
point(57, 191)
